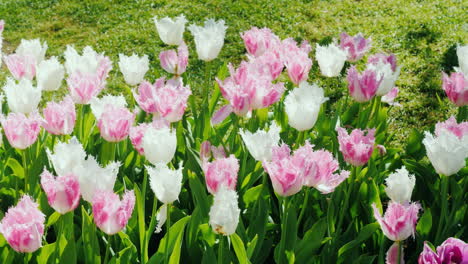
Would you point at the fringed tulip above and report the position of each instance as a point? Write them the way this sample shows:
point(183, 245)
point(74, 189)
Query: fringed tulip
point(159, 144)
point(225, 212)
point(98, 105)
point(21, 131)
point(209, 39)
point(356, 46)
point(261, 143)
point(462, 54)
point(59, 118)
point(22, 97)
point(392, 255)
point(453, 251)
point(165, 183)
point(399, 221)
point(363, 87)
point(110, 213)
point(296, 59)
point(50, 74)
point(68, 158)
point(133, 68)
point(95, 179)
point(428, 256)
point(83, 87)
point(23, 226)
point(385, 68)
point(222, 172)
point(63, 192)
point(138, 132)
point(147, 95)
point(175, 62)
point(89, 63)
point(21, 66)
point(32, 48)
point(302, 105)
point(356, 147)
point(330, 59)
point(171, 100)
point(258, 41)
point(456, 88)
point(269, 65)
point(400, 185)
point(389, 98)
point(171, 31)
point(459, 130)
point(115, 123)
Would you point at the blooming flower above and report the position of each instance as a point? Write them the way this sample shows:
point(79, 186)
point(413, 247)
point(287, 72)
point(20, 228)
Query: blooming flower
point(261, 142)
point(330, 59)
point(175, 62)
point(90, 62)
point(209, 39)
point(32, 48)
point(159, 144)
point(428, 256)
point(389, 98)
point(258, 41)
point(399, 221)
point(21, 131)
point(95, 179)
point(456, 88)
point(171, 100)
point(356, 46)
point(115, 123)
point(363, 87)
point(21, 66)
point(110, 213)
point(356, 147)
point(385, 68)
point(165, 183)
point(133, 68)
point(63, 192)
point(22, 97)
point(137, 133)
point(50, 74)
point(296, 59)
point(400, 185)
point(452, 250)
point(68, 158)
point(222, 172)
point(225, 212)
point(23, 226)
point(83, 87)
point(302, 105)
point(59, 118)
point(462, 54)
point(171, 31)
point(459, 130)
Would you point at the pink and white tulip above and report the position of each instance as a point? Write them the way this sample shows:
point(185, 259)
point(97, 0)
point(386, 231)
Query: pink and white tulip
point(175, 62)
point(356, 46)
point(453, 251)
point(89, 63)
point(221, 172)
point(138, 132)
point(458, 129)
point(258, 41)
point(428, 256)
point(392, 255)
point(23, 226)
point(21, 66)
point(133, 68)
point(356, 147)
point(456, 88)
point(63, 192)
point(68, 158)
point(21, 131)
point(386, 69)
point(59, 118)
point(32, 48)
point(22, 97)
point(296, 59)
point(399, 221)
point(110, 213)
point(115, 123)
point(50, 74)
point(362, 87)
point(84, 86)
point(172, 100)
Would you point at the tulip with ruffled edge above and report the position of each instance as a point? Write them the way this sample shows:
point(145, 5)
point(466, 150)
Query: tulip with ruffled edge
point(296, 60)
point(133, 68)
point(63, 192)
point(456, 88)
point(50, 74)
point(356, 46)
point(258, 41)
point(221, 172)
point(330, 59)
point(21, 66)
point(400, 185)
point(171, 31)
point(261, 143)
point(159, 144)
point(356, 147)
point(363, 87)
point(209, 39)
point(175, 62)
point(22, 97)
point(110, 213)
point(59, 118)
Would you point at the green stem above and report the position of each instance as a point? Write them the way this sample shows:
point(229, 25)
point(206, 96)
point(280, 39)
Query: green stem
point(399, 252)
point(150, 230)
point(168, 227)
point(348, 194)
point(462, 113)
point(106, 257)
point(304, 205)
point(443, 212)
point(221, 249)
point(283, 230)
point(25, 169)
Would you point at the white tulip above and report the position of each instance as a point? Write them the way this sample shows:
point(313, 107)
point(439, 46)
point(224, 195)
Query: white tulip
point(161, 217)
point(98, 104)
point(384, 70)
point(225, 212)
point(400, 185)
point(166, 183)
point(33, 48)
point(330, 59)
point(50, 74)
point(462, 54)
point(446, 152)
point(86, 63)
point(67, 157)
point(209, 39)
point(302, 105)
point(93, 178)
point(159, 145)
point(22, 97)
point(171, 31)
point(133, 68)
point(261, 142)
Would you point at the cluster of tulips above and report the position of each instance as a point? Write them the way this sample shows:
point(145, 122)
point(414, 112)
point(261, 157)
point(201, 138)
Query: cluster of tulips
point(260, 150)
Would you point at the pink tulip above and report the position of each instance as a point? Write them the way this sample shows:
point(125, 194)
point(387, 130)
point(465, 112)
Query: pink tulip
point(138, 132)
point(147, 94)
point(391, 59)
point(63, 192)
point(356, 46)
point(115, 123)
point(258, 41)
point(221, 172)
point(428, 256)
point(104, 67)
point(269, 64)
point(175, 62)
point(356, 147)
point(392, 255)
point(59, 118)
point(362, 87)
point(23, 226)
point(459, 130)
point(453, 250)
point(172, 100)
point(399, 221)
point(84, 86)
point(110, 213)
point(286, 171)
point(389, 98)
point(296, 59)
point(21, 131)
point(21, 66)
point(456, 88)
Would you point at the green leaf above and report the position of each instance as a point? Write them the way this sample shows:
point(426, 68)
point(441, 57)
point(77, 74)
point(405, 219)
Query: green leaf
point(311, 242)
point(251, 246)
point(175, 256)
point(363, 235)
point(239, 248)
point(89, 239)
point(45, 253)
point(425, 223)
point(174, 231)
point(140, 203)
point(15, 166)
point(53, 219)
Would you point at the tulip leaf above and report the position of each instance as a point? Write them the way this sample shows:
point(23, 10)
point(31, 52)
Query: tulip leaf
point(15, 166)
point(363, 235)
point(425, 223)
point(239, 248)
point(311, 242)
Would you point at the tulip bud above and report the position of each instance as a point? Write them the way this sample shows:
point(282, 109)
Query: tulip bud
point(50, 74)
point(175, 62)
point(171, 31)
point(22, 97)
point(32, 48)
point(63, 192)
point(428, 256)
point(222, 172)
point(261, 142)
point(456, 88)
point(133, 68)
point(59, 118)
point(399, 221)
point(95, 179)
point(165, 183)
point(110, 213)
point(356, 147)
point(160, 145)
point(21, 66)
point(209, 39)
point(362, 87)
point(23, 226)
point(302, 105)
point(462, 54)
point(21, 131)
point(225, 212)
point(68, 158)
point(400, 185)
point(330, 59)
point(356, 46)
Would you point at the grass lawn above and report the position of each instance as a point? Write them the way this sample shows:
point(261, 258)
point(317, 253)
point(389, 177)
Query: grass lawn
point(423, 35)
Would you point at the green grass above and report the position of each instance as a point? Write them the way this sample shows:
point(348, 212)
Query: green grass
point(422, 34)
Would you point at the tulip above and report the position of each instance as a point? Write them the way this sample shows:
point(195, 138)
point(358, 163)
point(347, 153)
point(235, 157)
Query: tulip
point(302, 105)
point(23, 226)
point(446, 151)
point(428, 256)
point(50, 74)
point(89, 63)
point(137, 133)
point(225, 212)
point(95, 179)
point(451, 125)
point(261, 142)
point(68, 158)
point(356, 46)
point(171, 31)
point(83, 87)
point(462, 54)
point(400, 185)
point(285, 170)
point(165, 183)
point(21, 131)
point(159, 144)
point(258, 41)
point(22, 97)
point(221, 172)
point(207, 150)
point(399, 221)
point(98, 105)
point(32, 48)
point(389, 98)
point(133, 68)
point(392, 255)
point(296, 60)
point(209, 39)
point(453, 250)
point(171, 100)
point(456, 88)
point(59, 118)
point(356, 147)
point(386, 70)
point(175, 62)
point(268, 65)
point(147, 95)
point(110, 213)
point(330, 59)
point(63, 192)
point(115, 123)
point(21, 66)
point(363, 87)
